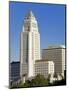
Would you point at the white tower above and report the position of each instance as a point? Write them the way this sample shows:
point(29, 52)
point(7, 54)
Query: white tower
point(30, 45)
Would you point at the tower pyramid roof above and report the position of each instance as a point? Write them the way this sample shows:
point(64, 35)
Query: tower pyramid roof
point(30, 15)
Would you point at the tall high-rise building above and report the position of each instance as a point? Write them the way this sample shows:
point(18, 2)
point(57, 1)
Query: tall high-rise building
point(30, 45)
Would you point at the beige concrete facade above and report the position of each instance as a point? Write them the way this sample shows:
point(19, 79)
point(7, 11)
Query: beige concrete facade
point(30, 45)
point(57, 55)
point(44, 67)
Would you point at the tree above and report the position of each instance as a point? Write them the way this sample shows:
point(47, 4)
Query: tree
point(55, 76)
point(39, 80)
point(49, 77)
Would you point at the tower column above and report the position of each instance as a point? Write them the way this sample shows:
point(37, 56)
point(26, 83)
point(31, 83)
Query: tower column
point(30, 61)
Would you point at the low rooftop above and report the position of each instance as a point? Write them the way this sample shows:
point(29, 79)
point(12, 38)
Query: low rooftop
point(56, 47)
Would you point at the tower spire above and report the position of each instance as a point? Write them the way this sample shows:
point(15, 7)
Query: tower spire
point(30, 15)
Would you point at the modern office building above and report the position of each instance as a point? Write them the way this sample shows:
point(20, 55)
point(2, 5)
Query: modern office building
point(57, 55)
point(30, 45)
point(15, 71)
point(44, 67)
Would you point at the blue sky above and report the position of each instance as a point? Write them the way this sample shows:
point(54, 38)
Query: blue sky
point(51, 22)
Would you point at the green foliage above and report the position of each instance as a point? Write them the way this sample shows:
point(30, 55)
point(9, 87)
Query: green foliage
point(49, 77)
point(55, 75)
point(39, 80)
